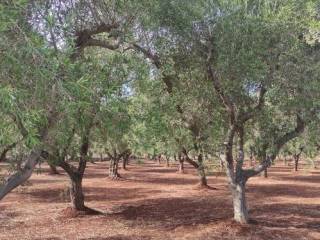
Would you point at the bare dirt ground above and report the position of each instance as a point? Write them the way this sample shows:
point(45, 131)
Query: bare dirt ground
point(154, 202)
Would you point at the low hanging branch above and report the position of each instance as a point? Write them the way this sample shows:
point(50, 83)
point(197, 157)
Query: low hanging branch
point(25, 173)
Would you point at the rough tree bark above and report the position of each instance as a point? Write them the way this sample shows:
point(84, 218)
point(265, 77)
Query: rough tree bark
point(21, 176)
point(113, 167)
point(296, 158)
point(76, 173)
point(125, 160)
point(199, 166)
point(114, 163)
point(239, 203)
point(76, 176)
point(159, 159)
point(201, 171)
point(25, 173)
point(181, 163)
point(167, 161)
point(236, 175)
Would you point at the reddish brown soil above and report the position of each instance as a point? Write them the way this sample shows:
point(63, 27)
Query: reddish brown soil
point(154, 202)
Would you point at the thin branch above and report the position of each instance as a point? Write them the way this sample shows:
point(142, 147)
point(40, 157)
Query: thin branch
point(279, 143)
point(91, 42)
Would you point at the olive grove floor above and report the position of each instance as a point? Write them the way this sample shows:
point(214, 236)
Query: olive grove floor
point(155, 202)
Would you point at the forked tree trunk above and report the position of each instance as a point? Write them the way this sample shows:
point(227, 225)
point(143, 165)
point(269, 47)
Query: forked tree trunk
point(297, 158)
point(200, 168)
point(76, 191)
point(113, 169)
point(239, 203)
point(53, 170)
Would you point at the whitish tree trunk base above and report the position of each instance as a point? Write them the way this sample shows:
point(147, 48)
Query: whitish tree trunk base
point(240, 204)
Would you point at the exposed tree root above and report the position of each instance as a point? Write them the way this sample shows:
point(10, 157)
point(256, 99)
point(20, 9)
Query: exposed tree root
point(71, 212)
point(204, 187)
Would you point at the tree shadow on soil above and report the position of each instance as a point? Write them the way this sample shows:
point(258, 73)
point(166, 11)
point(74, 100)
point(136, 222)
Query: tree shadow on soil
point(282, 190)
point(170, 213)
point(287, 215)
point(119, 237)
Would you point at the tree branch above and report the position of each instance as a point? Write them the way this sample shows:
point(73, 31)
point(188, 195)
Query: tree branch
point(225, 99)
point(148, 54)
point(279, 143)
point(91, 42)
point(188, 159)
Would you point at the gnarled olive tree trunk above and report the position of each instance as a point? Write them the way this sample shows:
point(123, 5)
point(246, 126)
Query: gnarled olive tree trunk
point(198, 166)
point(125, 160)
point(296, 158)
point(114, 162)
point(22, 175)
point(181, 163)
point(113, 167)
point(239, 203)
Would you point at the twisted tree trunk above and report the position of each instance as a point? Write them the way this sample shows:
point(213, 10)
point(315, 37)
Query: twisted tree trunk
point(181, 163)
point(125, 160)
point(113, 168)
point(76, 192)
point(22, 175)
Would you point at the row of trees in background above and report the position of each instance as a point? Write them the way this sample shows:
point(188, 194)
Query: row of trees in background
point(178, 78)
